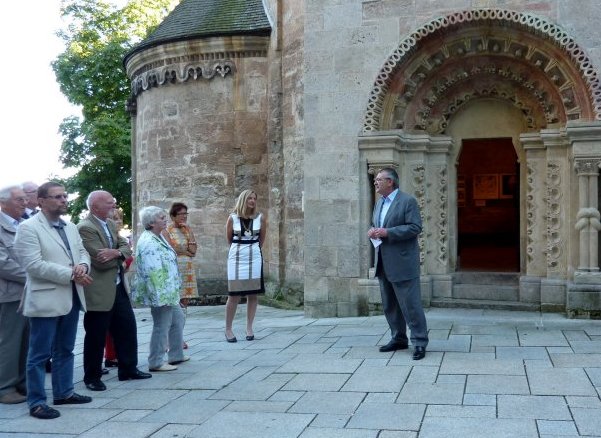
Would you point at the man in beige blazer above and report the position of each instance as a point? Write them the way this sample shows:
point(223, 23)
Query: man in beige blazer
point(56, 265)
point(108, 305)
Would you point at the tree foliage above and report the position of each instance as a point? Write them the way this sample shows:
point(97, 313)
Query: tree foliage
point(90, 73)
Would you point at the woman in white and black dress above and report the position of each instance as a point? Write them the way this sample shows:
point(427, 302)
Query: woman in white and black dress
point(245, 232)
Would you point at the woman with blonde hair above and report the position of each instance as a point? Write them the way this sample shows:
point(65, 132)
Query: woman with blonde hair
point(245, 232)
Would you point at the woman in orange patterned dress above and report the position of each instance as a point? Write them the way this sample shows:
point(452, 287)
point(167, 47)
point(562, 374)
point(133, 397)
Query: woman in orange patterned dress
point(182, 240)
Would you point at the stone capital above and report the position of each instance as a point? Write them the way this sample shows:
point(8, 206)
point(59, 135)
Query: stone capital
point(588, 166)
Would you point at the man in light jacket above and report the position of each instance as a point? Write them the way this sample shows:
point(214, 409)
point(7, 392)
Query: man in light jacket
point(57, 265)
point(13, 325)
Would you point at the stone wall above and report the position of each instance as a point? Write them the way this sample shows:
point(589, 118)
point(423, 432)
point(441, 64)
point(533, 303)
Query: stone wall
point(285, 268)
point(202, 141)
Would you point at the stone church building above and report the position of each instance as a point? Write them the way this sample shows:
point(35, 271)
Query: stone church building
point(490, 110)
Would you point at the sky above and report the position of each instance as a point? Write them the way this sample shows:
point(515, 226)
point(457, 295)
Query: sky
point(33, 106)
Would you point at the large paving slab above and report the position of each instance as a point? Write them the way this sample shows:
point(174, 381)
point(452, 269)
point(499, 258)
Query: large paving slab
point(436, 427)
point(507, 374)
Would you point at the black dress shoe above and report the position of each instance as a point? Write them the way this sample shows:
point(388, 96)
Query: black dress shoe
point(96, 385)
point(419, 353)
point(111, 363)
point(136, 375)
point(105, 371)
point(44, 412)
point(75, 399)
point(393, 346)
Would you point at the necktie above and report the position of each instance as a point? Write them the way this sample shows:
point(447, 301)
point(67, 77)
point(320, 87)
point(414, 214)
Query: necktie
point(380, 218)
point(108, 235)
point(61, 232)
point(111, 245)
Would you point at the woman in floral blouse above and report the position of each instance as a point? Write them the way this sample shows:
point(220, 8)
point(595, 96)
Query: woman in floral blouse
point(158, 285)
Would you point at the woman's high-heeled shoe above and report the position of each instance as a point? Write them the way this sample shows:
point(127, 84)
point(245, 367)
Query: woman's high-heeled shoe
point(250, 337)
point(233, 339)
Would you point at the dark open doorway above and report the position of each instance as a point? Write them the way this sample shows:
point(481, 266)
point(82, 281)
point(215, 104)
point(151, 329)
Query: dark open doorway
point(488, 206)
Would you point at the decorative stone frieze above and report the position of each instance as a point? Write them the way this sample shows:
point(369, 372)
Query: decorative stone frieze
point(531, 209)
point(183, 61)
point(530, 51)
point(441, 215)
point(555, 242)
point(505, 79)
point(418, 173)
point(181, 73)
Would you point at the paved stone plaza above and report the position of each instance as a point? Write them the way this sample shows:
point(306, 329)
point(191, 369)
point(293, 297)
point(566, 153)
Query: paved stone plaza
point(507, 374)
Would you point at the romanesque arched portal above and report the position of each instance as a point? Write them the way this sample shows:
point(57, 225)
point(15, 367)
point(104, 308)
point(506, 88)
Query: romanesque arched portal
point(518, 60)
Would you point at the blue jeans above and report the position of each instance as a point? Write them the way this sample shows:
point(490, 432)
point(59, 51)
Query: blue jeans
point(51, 337)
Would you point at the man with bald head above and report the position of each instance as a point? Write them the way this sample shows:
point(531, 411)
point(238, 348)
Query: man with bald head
point(109, 307)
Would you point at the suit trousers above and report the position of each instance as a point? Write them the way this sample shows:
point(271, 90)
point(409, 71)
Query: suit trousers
point(120, 322)
point(403, 306)
point(14, 337)
point(52, 337)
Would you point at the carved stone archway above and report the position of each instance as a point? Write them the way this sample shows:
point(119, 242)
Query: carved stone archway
point(540, 70)
point(486, 33)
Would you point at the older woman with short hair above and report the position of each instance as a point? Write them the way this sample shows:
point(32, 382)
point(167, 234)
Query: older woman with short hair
point(158, 285)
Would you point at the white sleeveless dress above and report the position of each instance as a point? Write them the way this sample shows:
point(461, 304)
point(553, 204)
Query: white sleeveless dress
point(245, 261)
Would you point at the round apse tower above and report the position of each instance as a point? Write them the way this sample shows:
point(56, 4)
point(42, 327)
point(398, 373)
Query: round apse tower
point(199, 110)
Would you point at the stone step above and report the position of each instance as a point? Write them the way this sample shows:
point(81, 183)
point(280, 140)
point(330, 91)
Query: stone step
point(488, 278)
point(452, 303)
point(486, 292)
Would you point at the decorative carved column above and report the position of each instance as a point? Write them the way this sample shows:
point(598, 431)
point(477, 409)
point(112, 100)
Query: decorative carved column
point(583, 298)
point(587, 220)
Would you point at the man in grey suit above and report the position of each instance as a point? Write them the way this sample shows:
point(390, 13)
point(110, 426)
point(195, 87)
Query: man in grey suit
point(56, 264)
point(396, 223)
point(13, 325)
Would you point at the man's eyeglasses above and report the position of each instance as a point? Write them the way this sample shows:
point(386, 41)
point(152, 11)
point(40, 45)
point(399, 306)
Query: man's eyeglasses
point(380, 179)
point(182, 214)
point(58, 197)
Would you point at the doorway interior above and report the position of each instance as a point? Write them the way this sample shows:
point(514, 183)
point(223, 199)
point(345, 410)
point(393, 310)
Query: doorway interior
point(488, 206)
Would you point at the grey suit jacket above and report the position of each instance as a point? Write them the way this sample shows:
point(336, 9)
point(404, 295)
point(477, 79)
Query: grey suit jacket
point(42, 253)
point(12, 275)
point(399, 252)
point(100, 295)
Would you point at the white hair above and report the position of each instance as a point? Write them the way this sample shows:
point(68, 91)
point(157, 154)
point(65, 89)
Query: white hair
point(148, 215)
point(6, 192)
point(90, 198)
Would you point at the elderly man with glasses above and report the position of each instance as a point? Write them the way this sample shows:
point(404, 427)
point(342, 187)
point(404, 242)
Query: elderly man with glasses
point(31, 190)
point(396, 224)
point(109, 308)
point(13, 325)
point(57, 265)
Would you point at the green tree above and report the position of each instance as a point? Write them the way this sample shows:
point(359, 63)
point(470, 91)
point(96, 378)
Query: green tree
point(90, 73)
